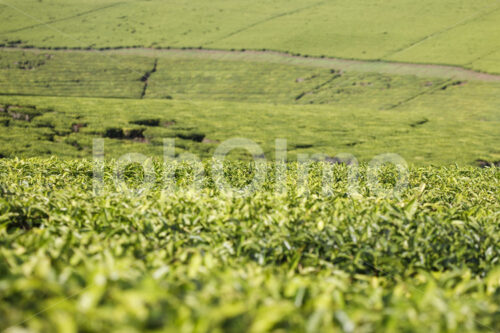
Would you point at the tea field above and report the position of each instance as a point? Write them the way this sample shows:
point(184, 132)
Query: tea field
point(53, 102)
point(445, 31)
point(86, 246)
point(208, 261)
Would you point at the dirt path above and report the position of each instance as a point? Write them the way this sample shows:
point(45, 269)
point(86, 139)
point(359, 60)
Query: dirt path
point(397, 68)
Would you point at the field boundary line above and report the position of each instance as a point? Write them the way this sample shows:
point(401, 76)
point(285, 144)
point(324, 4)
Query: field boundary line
point(318, 87)
point(250, 26)
point(66, 96)
point(441, 85)
point(62, 19)
point(446, 29)
point(484, 55)
point(146, 78)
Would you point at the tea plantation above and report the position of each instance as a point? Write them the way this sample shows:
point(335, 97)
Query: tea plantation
point(462, 32)
point(53, 102)
point(182, 261)
point(321, 244)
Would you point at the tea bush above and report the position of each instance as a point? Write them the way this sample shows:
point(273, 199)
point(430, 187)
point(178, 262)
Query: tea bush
point(300, 260)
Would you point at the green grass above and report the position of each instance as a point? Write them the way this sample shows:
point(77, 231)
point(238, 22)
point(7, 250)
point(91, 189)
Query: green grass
point(203, 261)
point(402, 30)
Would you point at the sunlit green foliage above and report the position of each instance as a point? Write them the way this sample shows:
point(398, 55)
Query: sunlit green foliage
point(203, 261)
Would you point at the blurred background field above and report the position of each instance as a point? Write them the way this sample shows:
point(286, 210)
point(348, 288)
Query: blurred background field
point(428, 117)
point(444, 32)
